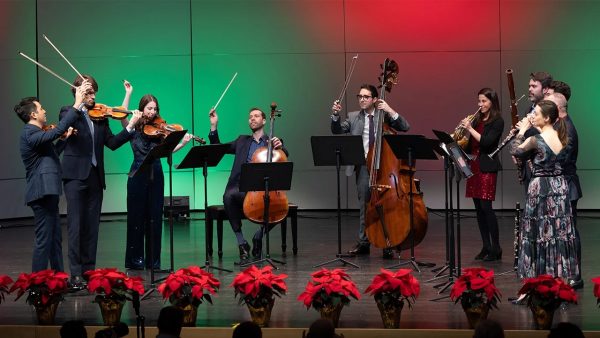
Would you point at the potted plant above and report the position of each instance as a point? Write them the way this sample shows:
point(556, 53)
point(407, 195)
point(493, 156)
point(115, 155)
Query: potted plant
point(5, 282)
point(46, 289)
point(257, 288)
point(477, 293)
point(391, 290)
point(328, 291)
point(187, 288)
point(596, 282)
point(544, 294)
point(113, 289)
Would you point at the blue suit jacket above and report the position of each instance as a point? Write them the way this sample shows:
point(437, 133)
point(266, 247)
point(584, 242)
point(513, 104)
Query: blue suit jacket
point(77, 157)
point(240, 148)
point(42, 166)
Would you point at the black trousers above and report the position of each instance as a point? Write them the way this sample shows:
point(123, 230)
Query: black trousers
point(145, 203)
point(84, 204)
point(233, 201)
point(47, 244)
point(488, 225)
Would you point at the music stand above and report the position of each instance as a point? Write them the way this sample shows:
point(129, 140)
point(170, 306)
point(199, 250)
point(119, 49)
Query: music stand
point(338, 151)
point(410, 148)
point(266, 177)
point(164, 149)
point(204, 157)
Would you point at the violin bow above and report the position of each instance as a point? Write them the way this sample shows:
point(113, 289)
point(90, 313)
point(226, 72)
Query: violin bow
point(47, 69)
point(61, 54)
point(352, 65)
point(225, 91)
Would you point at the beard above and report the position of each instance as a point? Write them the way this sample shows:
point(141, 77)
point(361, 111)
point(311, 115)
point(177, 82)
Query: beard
point(89, 104)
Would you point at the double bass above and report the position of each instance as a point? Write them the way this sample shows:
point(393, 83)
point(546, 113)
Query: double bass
point(388, 211)
point(254, 204)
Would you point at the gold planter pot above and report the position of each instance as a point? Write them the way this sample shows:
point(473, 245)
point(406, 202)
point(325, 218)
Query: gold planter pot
point(543, 316)
point(476, 313)
point(46, 313)
point(390, 315)
point(190, 312)
point(261, 315)
point(111, 310)
point(332, 313)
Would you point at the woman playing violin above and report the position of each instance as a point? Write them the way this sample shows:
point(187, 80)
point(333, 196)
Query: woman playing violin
point(140, 209)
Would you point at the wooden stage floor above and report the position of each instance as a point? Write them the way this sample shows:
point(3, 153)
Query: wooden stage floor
point(317, 241)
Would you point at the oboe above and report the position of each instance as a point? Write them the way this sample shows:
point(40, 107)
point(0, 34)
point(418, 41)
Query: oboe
point(517, 232)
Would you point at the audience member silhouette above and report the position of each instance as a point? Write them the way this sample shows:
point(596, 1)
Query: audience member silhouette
point(73, 329)
point(321, 328)
point(565, 330)
point(488, 329)
point(247, 330)
point(170, 321)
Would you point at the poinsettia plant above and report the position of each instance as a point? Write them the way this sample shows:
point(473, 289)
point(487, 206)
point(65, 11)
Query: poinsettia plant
point(329, 288)
point(110, 283)
point(475, 287)
point(545, 290)
point(596, 282)
point(5, 281)
point(190, 285)
point(258, 286)
point(392, 289)
point(44, 286)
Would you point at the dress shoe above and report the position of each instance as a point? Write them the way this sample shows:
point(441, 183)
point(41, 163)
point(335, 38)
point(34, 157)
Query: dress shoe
point(360, 249)
point(576, 283)
point(76, 283)
point(481, 254)
point(493, 256)
point(244, 253)
point(256, 247)
point(135, 264)
point(519, 300)
point(388, 253)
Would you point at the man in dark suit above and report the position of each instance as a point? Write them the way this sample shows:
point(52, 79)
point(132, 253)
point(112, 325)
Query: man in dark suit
point(83, 178)
point(43, 176)
point(243, 147)
point(363, 123)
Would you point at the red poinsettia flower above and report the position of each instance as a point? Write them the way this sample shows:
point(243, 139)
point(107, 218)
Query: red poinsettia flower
point(475, 286)
point(5, 281)
point(393, 288)
point(546, 290)
point(42, 286)
point(328, 287)
point(112, 283)
point(257, 286)
point(596, 282)
point(189, 285)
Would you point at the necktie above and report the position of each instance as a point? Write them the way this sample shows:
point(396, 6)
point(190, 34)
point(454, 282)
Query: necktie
point(371, 131)
point(91, 126)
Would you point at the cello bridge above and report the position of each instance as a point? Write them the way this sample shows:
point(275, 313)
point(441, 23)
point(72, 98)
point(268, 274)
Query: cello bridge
point(380, 187)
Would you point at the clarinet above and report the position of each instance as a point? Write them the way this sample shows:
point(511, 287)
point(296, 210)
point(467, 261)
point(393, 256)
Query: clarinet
point(517, 232)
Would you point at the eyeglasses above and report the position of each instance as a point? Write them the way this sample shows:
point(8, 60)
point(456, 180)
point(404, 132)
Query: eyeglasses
point(363, 97)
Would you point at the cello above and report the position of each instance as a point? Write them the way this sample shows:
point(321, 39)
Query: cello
point(254, 203)
point(388, 212)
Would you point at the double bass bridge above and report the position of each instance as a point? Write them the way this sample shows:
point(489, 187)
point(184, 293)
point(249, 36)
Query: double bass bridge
point(380, 187)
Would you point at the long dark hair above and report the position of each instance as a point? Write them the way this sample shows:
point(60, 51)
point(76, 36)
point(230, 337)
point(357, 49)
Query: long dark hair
point(494, 110)
point(550, 109)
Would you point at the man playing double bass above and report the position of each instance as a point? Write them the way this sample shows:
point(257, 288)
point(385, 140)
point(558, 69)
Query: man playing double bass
point(243, 148)
point(364, 123)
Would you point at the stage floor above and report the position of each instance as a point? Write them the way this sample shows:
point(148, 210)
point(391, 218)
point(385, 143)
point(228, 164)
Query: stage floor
point(317, 241)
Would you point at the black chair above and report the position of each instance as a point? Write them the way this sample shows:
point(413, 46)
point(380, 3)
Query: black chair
point(217, 212)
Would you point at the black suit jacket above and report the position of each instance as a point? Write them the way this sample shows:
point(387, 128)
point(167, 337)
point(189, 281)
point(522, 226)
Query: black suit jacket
point(487, 144)
point(42, 166)
point(77, 156)
point(239, 147)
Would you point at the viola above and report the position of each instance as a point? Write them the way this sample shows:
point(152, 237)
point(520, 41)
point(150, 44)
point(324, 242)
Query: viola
point(387, 214)
point(102, 111)
point(159, 128)
point(254, 202)
point(53, 126)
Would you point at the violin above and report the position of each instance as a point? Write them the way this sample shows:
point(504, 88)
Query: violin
point(63, 136)
point(159, 128)
point(102, 111)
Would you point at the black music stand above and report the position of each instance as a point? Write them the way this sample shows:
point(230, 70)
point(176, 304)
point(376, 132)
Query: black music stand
point(204, 157)
point(266, 177)
point(410, 148)
point(164, 149)
point(455, 164)
point(338, 151)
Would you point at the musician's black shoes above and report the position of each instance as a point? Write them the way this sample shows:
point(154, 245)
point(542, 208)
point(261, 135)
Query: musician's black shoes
point(494, 255)
point(76, 283)
point(256, 247)
point(244, 253)
point(360, 249)
point(576, 283)
point(388, 253)
point(481, 254)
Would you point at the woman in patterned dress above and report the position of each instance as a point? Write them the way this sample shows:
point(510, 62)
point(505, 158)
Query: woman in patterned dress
point(547, 240)
point(485, 132)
